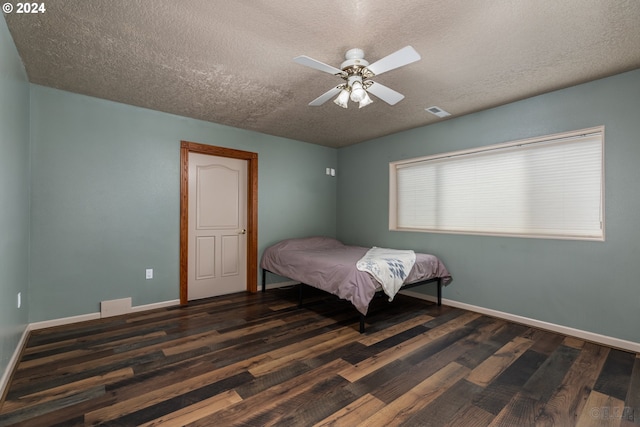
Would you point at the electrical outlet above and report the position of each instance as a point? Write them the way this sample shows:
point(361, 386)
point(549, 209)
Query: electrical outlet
point(149, 273)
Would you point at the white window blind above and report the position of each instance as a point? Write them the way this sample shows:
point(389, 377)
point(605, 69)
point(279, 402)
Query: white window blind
point(547, 187)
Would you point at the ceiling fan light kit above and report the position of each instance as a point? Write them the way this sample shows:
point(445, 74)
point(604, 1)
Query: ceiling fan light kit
point(357, 71)
point(365, 101)
point(343, 98)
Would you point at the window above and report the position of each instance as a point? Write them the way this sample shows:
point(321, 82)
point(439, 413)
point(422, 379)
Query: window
point(545, 187)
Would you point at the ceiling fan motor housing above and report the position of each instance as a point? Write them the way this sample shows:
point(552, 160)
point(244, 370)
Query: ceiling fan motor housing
point(354, 61)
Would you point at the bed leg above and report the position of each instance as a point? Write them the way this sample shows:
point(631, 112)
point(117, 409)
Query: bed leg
point(264, 280)
point(439, 292)
point(361, 323)
point(300, 295)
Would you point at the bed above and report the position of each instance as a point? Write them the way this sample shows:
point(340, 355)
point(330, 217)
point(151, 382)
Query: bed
point(328, 264)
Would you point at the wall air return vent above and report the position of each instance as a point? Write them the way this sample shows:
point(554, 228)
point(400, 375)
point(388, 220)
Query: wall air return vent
point(437, 111)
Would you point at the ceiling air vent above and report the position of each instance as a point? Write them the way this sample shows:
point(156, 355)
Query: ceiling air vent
point(437, 111)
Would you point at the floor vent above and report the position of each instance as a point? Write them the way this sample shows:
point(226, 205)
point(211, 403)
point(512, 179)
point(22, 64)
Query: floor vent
point(115, 307)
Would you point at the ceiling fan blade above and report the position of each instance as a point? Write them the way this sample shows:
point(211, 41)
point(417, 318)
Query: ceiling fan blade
point(389, 96)
point(399, 58)
point(310, 62)
point(326, 96)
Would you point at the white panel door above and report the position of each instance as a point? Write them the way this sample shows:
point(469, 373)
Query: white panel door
point(217, 257)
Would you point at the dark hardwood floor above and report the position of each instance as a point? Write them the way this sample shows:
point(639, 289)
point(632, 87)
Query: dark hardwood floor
point(259, 360)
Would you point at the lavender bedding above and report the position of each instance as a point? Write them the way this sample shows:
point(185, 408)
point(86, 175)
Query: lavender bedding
point(328, 264)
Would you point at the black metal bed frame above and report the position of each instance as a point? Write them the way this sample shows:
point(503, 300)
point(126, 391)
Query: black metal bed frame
point(362, 316)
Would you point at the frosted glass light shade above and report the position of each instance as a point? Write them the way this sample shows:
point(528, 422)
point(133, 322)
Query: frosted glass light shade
point(357, 92)
point(342, 99)
point(366, 100)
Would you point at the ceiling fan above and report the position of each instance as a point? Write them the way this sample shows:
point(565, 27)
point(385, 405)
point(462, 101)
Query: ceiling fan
point(357, 72)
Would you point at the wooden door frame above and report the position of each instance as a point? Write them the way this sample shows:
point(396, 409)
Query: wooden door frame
point(187, 147)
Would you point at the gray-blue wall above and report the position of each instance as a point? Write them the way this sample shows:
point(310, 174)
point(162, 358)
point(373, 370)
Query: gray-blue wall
point(89, 198)
point(593, 286)
point(14, 196)
point(105, 198)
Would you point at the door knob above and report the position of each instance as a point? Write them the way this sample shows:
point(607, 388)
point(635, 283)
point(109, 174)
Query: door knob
point(243, 231)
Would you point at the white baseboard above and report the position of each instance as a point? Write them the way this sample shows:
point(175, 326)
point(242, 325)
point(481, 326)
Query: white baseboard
point(565, 330)
point(155, 305)
point(63, 321)
point(13, 362)
point(281, 284)
point(93, 316)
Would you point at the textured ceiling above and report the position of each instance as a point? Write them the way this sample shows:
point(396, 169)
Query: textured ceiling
point(230, 62)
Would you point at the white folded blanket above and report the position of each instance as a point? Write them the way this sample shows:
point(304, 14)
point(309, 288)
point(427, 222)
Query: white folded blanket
point(388, 266)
